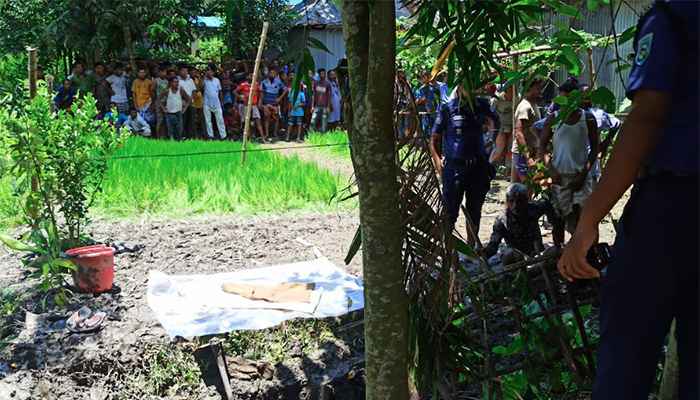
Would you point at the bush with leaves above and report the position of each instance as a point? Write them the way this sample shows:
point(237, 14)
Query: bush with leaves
point(58, 165)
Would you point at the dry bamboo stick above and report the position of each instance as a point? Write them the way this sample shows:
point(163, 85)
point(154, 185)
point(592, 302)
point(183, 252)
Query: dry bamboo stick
point(252, 93)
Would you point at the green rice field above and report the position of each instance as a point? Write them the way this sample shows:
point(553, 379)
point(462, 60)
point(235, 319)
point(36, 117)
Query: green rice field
point(267, 183)
point(331, 137)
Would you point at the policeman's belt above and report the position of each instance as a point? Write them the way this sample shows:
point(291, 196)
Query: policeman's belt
point(461, 161)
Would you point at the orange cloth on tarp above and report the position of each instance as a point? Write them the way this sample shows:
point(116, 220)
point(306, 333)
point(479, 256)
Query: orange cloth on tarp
point(281, 293)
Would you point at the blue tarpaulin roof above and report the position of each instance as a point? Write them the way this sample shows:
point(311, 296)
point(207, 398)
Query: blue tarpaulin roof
point(209, 22)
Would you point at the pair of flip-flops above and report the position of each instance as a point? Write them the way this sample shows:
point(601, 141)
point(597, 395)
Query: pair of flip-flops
point(84, 321)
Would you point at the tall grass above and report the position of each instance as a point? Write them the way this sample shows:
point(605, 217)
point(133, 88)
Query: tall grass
point(267, 183)
point(332, 137)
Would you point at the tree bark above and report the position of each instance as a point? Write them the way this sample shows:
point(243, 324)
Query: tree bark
point(370, 39)
point(130, 49)
point(669, 379)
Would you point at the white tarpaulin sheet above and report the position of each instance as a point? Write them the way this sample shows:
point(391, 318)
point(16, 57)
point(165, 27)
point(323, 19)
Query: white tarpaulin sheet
point(196, 305)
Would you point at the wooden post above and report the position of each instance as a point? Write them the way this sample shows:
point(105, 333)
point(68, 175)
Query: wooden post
point(32, 70)
point(591, 69)
point(514, 105)
point(32, 73)
point(246, 127)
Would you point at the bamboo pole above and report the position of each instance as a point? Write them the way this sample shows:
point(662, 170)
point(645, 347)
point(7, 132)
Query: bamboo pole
point(591, 69)
point(32, 71)
point(246, 128)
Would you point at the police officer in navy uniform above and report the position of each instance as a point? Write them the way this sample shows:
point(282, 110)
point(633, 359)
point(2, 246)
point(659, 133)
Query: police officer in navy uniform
point(653, 276)
point(466, 172)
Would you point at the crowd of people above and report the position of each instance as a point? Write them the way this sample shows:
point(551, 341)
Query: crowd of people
point(468, 142)
point(164, 100)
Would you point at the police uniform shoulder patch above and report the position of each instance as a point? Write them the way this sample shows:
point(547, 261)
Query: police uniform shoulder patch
point(644, 48)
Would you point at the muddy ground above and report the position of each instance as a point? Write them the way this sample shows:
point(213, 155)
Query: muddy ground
point(110, 364)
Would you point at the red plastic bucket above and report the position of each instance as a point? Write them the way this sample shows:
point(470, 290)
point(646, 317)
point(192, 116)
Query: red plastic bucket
point(95, 264)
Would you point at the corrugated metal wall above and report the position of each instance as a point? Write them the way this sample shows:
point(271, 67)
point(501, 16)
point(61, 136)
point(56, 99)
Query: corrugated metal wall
point(601, 23)
point(333, 39)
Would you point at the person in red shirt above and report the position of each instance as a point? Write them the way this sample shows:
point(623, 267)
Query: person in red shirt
point(242, 93)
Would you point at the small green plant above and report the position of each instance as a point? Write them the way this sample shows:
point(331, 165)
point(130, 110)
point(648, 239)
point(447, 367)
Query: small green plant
point(51, 266)
point(58, 166)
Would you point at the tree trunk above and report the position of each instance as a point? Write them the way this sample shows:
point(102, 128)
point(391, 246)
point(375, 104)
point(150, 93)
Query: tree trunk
point(130, 49)
point(367, 34)
point(669, 379)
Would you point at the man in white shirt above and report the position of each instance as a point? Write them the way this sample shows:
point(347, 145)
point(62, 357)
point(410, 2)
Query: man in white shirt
point(213, 103)
point(117, 89)
point(190, 117)
point(136, 124)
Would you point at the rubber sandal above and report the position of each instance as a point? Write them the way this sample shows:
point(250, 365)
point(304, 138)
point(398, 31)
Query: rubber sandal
point(79, 317)
point(91, 324)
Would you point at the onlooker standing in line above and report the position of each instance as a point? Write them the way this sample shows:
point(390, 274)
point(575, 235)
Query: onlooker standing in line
point(225, 79)
point(525, 143)
point(242, 93)
point(82, 82)
point(296, 115)
point(321, 103)
point(213, 103)
point(137, 124)
point(101, 88)
point(173, 108)
point(270, 100)
point(503, 103)
point(190, 117)
point(334, 117)
point(198, 103)
point(159, 84)
point(141, 88)
point(117, 89)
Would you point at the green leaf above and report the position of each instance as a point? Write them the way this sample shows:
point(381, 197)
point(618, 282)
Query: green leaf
point(585, 310)
point(65, 264)
point(317, 44)
point(574, 59)
point(604, 98)
point(462, 247)
point(560, 100)
point(592, 5)
point(15, 244)
point(627, 35)
point(354, 246)
point(569, 11)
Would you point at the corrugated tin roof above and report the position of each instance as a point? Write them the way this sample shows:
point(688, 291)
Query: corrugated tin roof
point(327, 13)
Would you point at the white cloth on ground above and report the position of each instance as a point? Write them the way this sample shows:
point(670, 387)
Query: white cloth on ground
point(196, 305)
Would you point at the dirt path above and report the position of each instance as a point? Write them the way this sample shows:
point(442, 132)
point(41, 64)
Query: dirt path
point(328, 161)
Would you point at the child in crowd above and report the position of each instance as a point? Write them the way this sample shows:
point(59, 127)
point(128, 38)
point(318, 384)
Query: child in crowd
point(120, 118)
point(225, 79)
point(137, 125)
point(296, 115)
point(232, 120)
